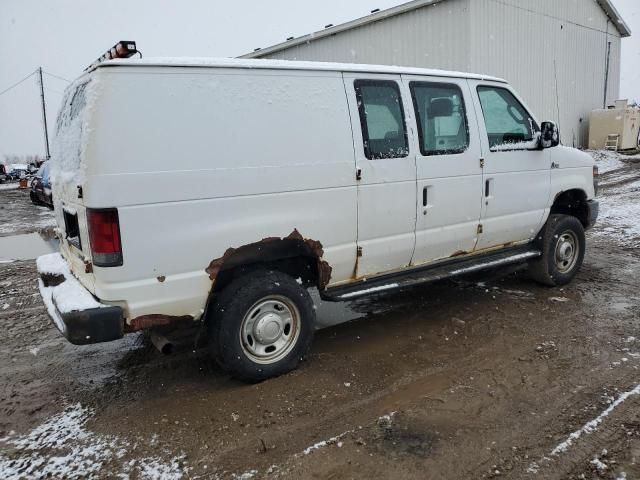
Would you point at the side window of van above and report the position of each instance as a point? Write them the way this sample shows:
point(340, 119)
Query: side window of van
point(382, 119)
point(442, 121)
point(508, 123)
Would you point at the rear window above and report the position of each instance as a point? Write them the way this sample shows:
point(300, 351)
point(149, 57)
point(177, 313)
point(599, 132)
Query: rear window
point(73, 103)
point(384, 130)
point(67, 147)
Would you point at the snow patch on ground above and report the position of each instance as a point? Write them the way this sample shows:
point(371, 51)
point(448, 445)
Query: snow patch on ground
point(593, 425)
point(324, 443)
point(606, 160)
point(62, 447)
point(384, 420)
point(588, 428)
point(246, 475)
point(619, 207)
point(620, 215)
point(599, 464)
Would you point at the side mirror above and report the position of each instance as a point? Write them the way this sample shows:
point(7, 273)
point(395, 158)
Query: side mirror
point(550, 135)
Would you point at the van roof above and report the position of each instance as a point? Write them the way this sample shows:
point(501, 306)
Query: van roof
point(206, 62)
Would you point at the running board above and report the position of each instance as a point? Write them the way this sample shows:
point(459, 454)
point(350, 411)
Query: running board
point(431, 273)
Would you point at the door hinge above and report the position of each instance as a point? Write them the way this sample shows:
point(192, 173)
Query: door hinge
point(480, 229)
point(358, 174)
point(359, 251)
point(481, 162)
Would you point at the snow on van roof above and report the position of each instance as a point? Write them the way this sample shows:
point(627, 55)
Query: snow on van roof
point(207, 62)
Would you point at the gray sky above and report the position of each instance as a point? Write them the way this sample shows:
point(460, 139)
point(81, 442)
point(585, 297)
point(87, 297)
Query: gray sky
point(64, 36)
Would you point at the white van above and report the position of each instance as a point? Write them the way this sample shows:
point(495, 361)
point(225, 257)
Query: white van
point(220, 191)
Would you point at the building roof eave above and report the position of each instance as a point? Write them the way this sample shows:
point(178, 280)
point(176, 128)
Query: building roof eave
point(327, 32)
point(606, 5)
point(615, 17)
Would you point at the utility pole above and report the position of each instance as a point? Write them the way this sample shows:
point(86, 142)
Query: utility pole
point(44, 115)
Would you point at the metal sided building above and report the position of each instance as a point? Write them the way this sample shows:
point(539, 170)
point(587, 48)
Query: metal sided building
point(562, 56)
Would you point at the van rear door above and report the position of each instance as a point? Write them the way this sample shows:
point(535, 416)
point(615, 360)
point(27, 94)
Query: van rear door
point(68, 168)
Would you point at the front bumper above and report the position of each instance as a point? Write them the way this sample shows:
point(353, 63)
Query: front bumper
point(74, 311)
point(594, 210)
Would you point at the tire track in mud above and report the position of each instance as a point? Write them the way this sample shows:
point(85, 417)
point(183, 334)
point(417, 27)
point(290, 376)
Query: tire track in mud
point(596, 438)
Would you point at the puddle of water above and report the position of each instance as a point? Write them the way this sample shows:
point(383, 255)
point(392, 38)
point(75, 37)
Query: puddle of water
point(25, 247)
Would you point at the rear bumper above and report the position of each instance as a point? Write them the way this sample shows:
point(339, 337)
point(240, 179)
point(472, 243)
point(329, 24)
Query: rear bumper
point(74, 311)
point(594, 210)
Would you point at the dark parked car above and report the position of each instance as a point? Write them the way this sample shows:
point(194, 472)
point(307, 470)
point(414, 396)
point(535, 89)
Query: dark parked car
point(17, 172)
point(3, 173)
point(41, 187)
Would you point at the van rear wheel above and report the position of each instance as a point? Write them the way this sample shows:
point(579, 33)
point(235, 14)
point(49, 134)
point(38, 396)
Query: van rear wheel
point(563, 247)
point(261, 325)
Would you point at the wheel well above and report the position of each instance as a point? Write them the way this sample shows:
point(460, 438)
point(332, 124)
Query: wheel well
point(294, 255)
point(574, 203)
point(303, 268)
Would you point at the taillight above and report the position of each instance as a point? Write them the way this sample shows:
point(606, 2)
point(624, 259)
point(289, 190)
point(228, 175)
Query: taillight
point(104, 236)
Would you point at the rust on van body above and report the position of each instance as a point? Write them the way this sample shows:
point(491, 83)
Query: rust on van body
point(292, 245)
point(152, 321)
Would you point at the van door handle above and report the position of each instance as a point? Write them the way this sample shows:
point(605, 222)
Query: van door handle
point(487, 187)
point(424, 197)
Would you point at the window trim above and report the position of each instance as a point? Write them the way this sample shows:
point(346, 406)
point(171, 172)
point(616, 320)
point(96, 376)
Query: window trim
point(536, 127)
point(434, 153)
point(363, 119)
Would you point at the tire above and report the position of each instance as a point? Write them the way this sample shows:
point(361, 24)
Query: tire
point(261, 325)
point(563, 247)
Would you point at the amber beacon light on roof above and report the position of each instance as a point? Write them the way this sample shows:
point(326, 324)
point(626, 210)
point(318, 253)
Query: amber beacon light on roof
point(122, 49)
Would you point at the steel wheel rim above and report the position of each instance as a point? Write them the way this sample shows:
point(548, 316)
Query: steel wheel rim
point(270, 329)
point(567, 251)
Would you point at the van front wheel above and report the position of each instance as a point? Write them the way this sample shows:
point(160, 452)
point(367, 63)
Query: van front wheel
point(563, 247)
point(261, 326)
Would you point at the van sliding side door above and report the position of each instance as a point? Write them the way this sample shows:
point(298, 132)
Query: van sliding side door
point(449, 172)
point(385, 167)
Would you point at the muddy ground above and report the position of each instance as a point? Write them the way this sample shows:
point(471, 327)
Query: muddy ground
point(484, 378)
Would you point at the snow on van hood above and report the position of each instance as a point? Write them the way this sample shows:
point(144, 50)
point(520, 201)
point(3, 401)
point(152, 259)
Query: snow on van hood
point(72, 130)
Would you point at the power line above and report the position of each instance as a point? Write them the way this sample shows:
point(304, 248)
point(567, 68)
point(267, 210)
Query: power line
point(17, 83)
point(57, 76)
